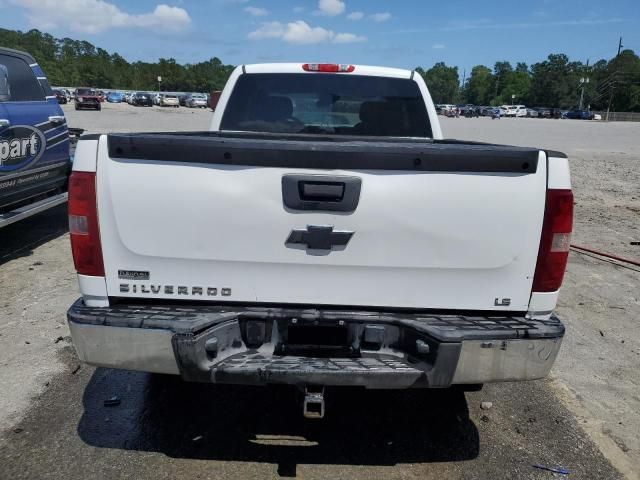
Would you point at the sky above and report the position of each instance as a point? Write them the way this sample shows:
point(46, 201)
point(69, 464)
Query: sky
point(398, 33)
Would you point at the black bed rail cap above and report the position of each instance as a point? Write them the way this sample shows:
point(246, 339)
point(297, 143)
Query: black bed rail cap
point(349, 153)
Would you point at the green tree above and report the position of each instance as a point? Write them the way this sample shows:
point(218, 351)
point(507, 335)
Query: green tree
point(69, 62)
point(517, 83)
point(622, 85)
point(443, 82)
point(501, 73)
point(478, 89)
point(555, 82)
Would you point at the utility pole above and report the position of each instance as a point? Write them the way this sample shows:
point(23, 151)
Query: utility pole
point(583, 81)
point(613, 85)
point(620, 46)
point(613, 82)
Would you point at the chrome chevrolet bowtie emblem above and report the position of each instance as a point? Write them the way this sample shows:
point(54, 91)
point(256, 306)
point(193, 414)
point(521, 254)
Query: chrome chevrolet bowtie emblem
point(319, 237)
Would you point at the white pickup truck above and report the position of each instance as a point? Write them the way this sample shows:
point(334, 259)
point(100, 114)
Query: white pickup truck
point(322, 233)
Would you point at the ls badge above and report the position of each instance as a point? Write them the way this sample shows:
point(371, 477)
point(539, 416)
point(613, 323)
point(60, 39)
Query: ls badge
point(502, 302)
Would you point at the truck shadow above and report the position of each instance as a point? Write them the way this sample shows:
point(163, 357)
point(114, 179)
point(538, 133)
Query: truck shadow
point(21, 238)
point(265, 424)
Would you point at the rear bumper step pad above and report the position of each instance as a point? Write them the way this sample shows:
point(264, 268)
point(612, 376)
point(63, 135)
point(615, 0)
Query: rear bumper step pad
point(254, 368)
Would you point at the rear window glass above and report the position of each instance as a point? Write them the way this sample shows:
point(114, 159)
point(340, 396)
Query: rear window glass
point(327, 104)
point(85, 91)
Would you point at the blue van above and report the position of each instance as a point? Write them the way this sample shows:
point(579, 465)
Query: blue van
point(34, 140)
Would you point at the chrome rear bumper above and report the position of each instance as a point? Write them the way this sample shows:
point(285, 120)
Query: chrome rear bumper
point(254, 345)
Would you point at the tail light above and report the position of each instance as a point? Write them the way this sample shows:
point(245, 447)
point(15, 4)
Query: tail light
point(328, 67)
point(555, 241)
point(83, 224)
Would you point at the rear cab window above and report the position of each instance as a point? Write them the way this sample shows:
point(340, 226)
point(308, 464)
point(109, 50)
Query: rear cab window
point(327, 104)
point(18, 82)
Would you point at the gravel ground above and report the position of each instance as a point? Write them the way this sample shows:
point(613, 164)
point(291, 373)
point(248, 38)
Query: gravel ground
point(585, 417)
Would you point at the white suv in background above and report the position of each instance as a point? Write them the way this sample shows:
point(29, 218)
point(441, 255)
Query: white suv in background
point(520, 111)
point(514, 110)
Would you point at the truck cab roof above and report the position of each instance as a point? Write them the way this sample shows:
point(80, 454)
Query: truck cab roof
point(18, 53)
point(298, 68)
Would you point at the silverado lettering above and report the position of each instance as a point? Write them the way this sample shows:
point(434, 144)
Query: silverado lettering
point(171, 289)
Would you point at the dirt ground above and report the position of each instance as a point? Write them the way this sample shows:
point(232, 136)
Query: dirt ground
point(597, 373)
point(585, 417)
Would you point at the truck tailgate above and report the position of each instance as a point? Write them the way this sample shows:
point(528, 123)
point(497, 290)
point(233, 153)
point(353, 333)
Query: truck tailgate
point(433, 225)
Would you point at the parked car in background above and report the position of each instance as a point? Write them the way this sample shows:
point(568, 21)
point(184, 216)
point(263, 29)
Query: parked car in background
point(214, 97)
point(142, 99)
point(470, 111)
point(444, 108)
point(60, 97)
point(532, 113)
point(578, 114)
point(182, 99)
point(556, 113)
point(87, 98)
point(115, 97)
point(196, 100)
point(506, 110)
point(34, 140)
point(514, 110)
point(169, 100)
point(156, 98)
point(544, 112)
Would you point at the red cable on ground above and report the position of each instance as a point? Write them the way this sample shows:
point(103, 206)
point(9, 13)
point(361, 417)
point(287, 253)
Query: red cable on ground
point(608, 255)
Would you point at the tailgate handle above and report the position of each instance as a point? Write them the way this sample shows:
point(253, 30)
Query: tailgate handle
point(333, 193)
point(321, 191)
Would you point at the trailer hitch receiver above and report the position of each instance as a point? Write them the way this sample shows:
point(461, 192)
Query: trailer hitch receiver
point(313, 406)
